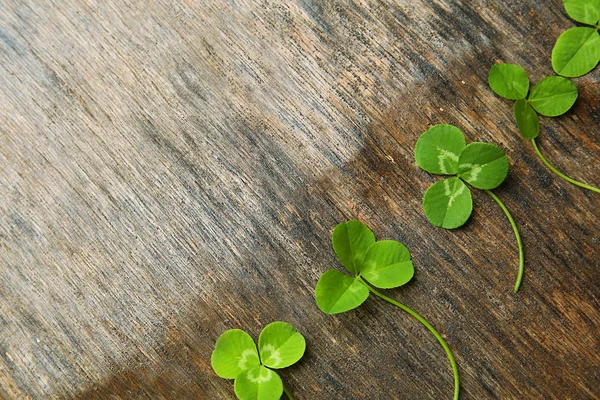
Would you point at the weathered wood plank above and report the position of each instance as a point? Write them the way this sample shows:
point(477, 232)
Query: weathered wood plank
point(170, 170)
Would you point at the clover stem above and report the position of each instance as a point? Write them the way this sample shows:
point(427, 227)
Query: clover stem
point(557, 172)
point(288, 394)
point(428, 326)
point(517, 236)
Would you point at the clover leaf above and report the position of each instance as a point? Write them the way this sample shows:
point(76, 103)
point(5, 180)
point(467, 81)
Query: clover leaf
point(258, 383)
point(235, 357)
point(448, 203)
point(437, 150)
point(280, 345)
point(509, 81)
point(350, 242)
point(551, 97)
point(337, 292)
point(483, 165)
point(383, 264)
point(527, 119)
point(387, 265)
point(577, 50)
point(584, 11)
point(234, 345)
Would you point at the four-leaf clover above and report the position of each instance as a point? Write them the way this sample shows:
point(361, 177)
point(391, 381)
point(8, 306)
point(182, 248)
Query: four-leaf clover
point(236, 357)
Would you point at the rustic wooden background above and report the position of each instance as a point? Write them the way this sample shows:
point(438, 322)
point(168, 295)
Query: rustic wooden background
point(173, 169)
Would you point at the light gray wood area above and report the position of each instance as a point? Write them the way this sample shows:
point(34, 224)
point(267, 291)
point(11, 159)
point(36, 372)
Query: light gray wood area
point(173, 169)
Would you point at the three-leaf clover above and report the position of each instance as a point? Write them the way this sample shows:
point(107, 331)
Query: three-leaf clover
point(577, 50)
point(236, 357)
point(552, 96)
point(384, 264)
point(442, 150)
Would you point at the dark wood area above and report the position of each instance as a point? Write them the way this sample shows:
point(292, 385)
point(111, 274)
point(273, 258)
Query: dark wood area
point(173, 169)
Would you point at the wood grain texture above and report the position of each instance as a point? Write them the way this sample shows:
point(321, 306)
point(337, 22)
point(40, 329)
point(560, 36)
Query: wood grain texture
point(173, 169)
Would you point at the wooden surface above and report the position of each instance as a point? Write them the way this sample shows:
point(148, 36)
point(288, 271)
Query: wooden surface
point(173, 169)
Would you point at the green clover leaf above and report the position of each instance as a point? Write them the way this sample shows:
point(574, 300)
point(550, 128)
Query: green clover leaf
point(483, 165)
point(509, 81)
point(527, 119)
point(384, 264)
point(351, 240)
point(387, 265)
point(437, 150)
point(337, 292)
point(448, 203)
point(235, 357)
point(584, 11)
point(553, 96)
point(280, 345)
point(577, 50)
point(235, 352)
point(258, 383)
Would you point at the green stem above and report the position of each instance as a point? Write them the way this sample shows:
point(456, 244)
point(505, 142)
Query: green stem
point(557, 172)
point(517, 236)
point(287, 393)
point(428, 326)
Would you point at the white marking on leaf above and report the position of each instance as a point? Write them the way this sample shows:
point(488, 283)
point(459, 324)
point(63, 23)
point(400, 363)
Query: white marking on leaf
point(443, 156)
point(274, 356)
point(244, 358)
point(447, 190)
point(260, 378)
point(453, 196)
point(374, 275)
point(474, 170)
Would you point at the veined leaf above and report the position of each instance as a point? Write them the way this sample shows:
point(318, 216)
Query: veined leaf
point(483, 165)
point(576, 52)
point(235, 352)
point(448, 203)
point(387, 265)
point(509, 81)
point(527, 119)
point(553, 96)
point(438, 148)
point(280, 345)
point(337, 292)
point(259, 383)
point(584, 11)
point(351, 241)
